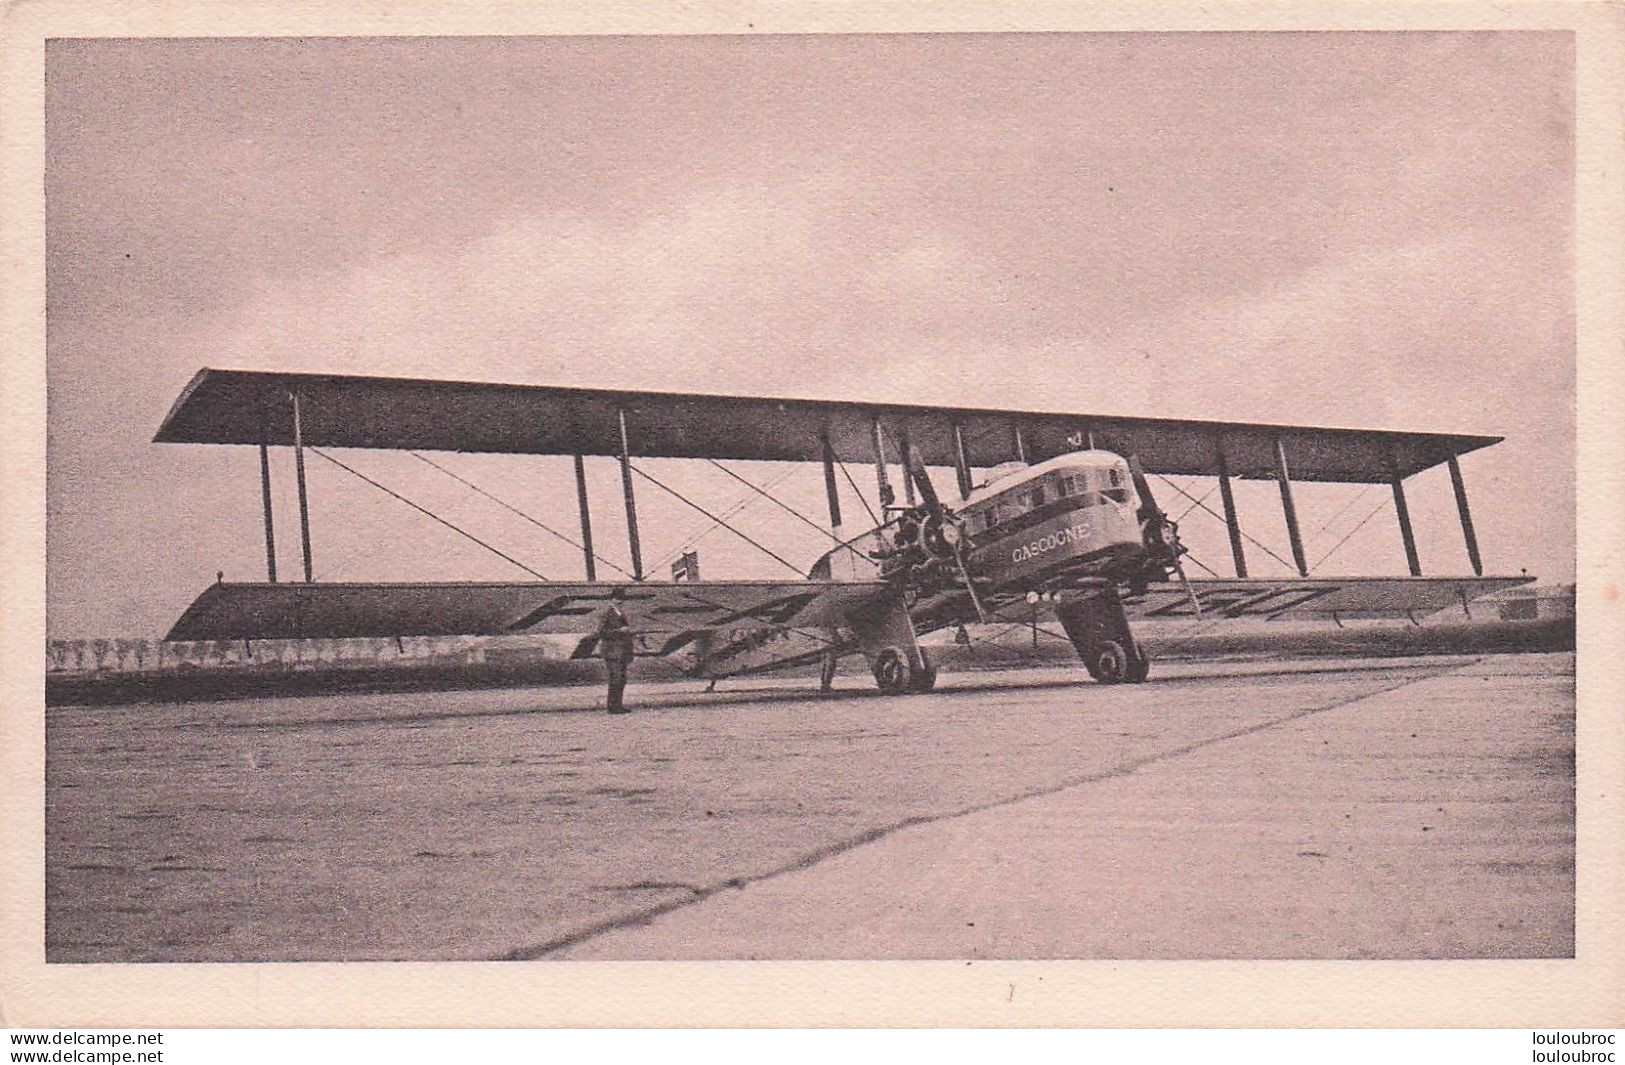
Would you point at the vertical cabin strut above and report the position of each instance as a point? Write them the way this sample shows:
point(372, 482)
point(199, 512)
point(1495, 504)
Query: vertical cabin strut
point(832, 492)
point(586, 518)
point(1284, 477)
point(1019, 441)
point(1400, 508)
point(902, 460)
point(1467, 532)
point(961, 461)
point(887, 497)
point(265, 502)
point(1237, 552)
point(299, 476)
point(631, 503)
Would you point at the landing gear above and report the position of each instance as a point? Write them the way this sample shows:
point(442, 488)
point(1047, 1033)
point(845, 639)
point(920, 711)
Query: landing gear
point(826, 672)
point(1111, 663)
point(925, 677)
point(1107, 661)
point(1099, 632)
point(894, 674)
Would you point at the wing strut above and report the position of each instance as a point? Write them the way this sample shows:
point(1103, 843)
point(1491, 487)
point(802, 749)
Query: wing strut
point(299, 473)
point(265, 500)
point(1237, 552)
point(1288, 509)
point(902, 456)
point(631, 503)
point(586, 518)
point(961, 462)
point(887, 497)
point(832, 491)
point(1404, 512)
point(1466, 516)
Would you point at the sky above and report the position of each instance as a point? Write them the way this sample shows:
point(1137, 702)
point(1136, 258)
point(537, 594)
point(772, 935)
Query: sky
point(1356, 229)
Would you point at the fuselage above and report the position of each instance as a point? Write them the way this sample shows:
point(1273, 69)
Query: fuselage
point(1027, 528)
point(1074, 514)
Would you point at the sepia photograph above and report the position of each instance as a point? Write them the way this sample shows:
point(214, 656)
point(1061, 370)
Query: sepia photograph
point(974, 497)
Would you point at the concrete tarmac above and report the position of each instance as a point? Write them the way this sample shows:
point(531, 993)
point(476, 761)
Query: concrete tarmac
point(1400, 808)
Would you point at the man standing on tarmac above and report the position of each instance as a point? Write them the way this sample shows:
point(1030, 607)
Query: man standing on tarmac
point(615, 648)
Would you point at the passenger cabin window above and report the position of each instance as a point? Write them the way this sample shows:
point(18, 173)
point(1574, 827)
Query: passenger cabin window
point(1117, 479)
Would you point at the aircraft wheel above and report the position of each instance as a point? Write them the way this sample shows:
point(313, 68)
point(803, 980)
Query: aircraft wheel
point(893, 673)
point(1109, 662)
point(1139, 667)
point(925, 678)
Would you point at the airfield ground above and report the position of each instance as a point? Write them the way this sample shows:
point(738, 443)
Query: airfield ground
point(1392, 808)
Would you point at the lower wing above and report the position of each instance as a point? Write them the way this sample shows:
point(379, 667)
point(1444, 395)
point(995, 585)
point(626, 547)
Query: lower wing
point(674, 613)
point(1336, 597)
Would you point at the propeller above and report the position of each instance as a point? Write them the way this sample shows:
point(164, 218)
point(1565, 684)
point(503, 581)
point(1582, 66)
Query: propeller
point(942, 519)
point(1161, 532)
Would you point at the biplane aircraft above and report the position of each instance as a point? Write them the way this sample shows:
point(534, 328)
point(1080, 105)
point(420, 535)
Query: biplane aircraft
point(1053, 512)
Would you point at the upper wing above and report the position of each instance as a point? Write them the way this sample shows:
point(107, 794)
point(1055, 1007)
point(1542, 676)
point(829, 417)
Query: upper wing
point(244, 407)
point(1341, 597)
point(302, 611)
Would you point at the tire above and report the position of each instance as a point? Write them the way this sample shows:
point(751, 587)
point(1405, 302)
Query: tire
point(925, 678)
point(1109, 662)
point(893, 672)
point(1140, 667)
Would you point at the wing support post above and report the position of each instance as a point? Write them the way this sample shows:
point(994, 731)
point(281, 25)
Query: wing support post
point(832, 492)
point(1467, 533)
point(299, 475)
point(908, 481)
point(631, 502)
point(586, 518)
point(961, 461)
point(1230, 521)
point(1285, 478)
point(265, 502)
point(1400, 508)
point(887, 496)
point(1018, 441)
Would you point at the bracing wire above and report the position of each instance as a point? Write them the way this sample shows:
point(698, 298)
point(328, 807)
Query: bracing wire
point(1204, 565)
point(1342, 510)
point(736, 509)
point(427, 513)
point(775, 500)
point(720, 521)
point(1186, 512)
point(1349, 535)
point(1250, 539)
point(515, 510)
point(861, 497)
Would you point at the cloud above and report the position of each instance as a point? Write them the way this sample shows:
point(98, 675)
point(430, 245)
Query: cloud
point(731, 290)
